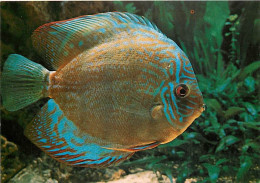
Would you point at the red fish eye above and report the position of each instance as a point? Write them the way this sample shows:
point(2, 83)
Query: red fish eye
point(182, 90)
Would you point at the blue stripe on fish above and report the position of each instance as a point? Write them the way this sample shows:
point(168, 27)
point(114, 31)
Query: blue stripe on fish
point(165, 105)
point(174, 99)
point(80, 43)
point(168, 60)
point(170, 106)
point(183, 76)
point(171, 69)
point(42, 140)
point(185, 106)
point(46, 146)
point(178, 70)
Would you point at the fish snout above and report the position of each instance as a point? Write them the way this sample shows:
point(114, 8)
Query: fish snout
point(202, 107)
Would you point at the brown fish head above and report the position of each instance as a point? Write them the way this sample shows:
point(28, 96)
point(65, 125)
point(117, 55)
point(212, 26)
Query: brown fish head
point(186, 98)
point(189, 101)
point(180, 99)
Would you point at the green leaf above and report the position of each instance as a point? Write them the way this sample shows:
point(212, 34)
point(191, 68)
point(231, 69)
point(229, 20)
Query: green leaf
point(232, 29)
point(222, 132)
point(155, 161)
point(250, 108)
point(214, 104)
point(247, 117)
point(254, 145)
point(169, 174)
point(183, 172)
point(216, 22)
point(227, 141)
point(163, 168)
point(214, 121)
point(197, 136)
point(221, 146)
point(253, 125)
point(232, 111)
point(221, 161)
point(180, 153)
point(223, 85)
point(248, 70)
point(250, 84)
point(213, 171)
point(174, 143)
point(140, 161)
point(206, 157)
point(214, 31)
point(227, 23)
point(245, 165)
point(131, 8)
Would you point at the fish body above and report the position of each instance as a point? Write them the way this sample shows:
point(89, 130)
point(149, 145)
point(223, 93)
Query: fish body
point(119, 86)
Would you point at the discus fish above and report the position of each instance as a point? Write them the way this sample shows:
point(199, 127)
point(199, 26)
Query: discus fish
point(118, 85)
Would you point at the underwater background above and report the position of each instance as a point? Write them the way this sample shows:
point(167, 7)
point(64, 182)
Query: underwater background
point(221, 40)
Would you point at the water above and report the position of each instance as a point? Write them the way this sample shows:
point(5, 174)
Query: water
point(221, 40)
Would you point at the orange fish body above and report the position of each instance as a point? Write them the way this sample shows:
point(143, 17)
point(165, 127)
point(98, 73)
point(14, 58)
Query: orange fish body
point(121, 86)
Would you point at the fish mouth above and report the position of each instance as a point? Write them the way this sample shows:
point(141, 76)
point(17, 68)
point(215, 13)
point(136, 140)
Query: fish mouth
point(200, 110)
point(203, 107)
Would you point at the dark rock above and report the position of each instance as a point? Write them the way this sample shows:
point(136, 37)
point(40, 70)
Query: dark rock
point(10, 162)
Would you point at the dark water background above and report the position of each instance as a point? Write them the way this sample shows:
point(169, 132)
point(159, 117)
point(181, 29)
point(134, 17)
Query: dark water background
point(221, 40)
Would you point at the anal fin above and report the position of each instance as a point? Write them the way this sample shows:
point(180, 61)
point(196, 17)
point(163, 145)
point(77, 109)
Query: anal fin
point(137, 148)
point(58, 136)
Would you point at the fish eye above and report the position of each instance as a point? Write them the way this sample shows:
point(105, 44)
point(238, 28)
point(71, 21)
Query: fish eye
point(182, 90)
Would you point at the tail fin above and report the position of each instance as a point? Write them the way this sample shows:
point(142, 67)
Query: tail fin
point(23, 82)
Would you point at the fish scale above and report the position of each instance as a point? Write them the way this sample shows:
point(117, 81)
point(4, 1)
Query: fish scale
point(119, 86)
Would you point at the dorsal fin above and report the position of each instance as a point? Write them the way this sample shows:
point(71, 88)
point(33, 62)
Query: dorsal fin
point(59, 42)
